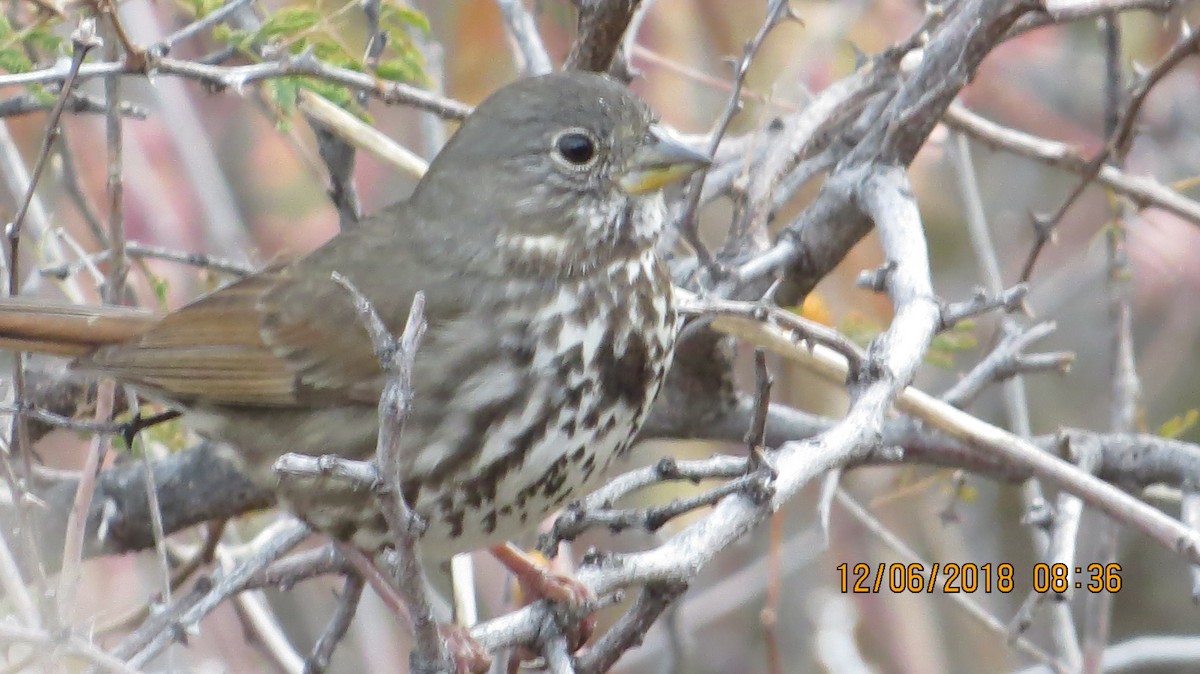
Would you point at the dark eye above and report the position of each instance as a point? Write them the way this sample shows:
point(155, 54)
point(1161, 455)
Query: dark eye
point(576, 147)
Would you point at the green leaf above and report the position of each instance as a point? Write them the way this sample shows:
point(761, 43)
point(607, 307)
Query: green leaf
point(41, 94)
point(1176, 426)
point(161, 287)
point(859, 329)
point(397, 18)
point(940, 359)
point(170, 434)
point(333, 53)
point(288, 22)
point(13, 60)
point(282, 93)
point(954, 341)
point(202, 8)
point(42, 39)
point(232, 37)
point(334, 93)
point(405, 68)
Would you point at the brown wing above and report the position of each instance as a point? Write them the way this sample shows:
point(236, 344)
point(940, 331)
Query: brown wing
point(214, 350)
point(290, 336)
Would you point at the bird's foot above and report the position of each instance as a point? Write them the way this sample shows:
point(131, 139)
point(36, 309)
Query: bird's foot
point(539, 582)
point(536, 582)
point(468, 655)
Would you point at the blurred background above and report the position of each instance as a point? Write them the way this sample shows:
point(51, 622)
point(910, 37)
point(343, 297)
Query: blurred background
point(225, 173)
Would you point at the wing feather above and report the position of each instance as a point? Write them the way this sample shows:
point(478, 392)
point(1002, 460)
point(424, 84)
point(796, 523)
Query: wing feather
point(289, 336)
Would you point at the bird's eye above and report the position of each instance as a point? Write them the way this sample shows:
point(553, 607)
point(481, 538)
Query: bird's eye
point(575, 147)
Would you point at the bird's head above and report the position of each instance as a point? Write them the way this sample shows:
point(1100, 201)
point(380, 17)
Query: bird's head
point(564, 169)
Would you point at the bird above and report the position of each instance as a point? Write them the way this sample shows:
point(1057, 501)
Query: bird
point(550, 321)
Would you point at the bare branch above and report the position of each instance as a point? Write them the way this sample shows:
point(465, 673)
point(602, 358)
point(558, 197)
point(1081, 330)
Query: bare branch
point(530, 53)
point(601, 26)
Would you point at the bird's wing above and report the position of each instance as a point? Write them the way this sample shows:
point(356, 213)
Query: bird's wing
point(287, 336)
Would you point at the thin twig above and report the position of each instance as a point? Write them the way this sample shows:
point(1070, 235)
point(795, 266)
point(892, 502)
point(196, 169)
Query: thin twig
point(339, 624)
point(239, 77)
point(630, 628)
point(83, 40)
point(909, 555)
point(141, 250)
point(777, 10)
point(396, 356)
point(1010, 300)
point(164, 46)
point(141, 646)
point(997, 365)
point(1117, 141)
point(68, 581)
point(530, 53)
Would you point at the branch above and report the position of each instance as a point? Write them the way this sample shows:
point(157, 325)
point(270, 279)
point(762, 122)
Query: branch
point(815, 243)
point(601, 26)
point(1142, 190)
point(530, 53)
point(238, 77)
point(396, 358)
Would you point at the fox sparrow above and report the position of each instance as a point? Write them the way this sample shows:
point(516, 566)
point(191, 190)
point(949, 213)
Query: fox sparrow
point(549, 313)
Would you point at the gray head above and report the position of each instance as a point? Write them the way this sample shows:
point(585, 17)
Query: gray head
point(564, 169)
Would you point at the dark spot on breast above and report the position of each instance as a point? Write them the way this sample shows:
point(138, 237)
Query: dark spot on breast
point(552, 329)
point(525, 441)
point(483, 418)
point(572, 397)
point(592, 418)
point(626, 377)
point(589, 306)
point(489, 522)
point(472, 496)
point(645, 304)
point(410, 490)
point(554, 478)
point(522, 353)
point(455, 520)
point(479, 425)
point(568, 362)
point(589, 467)
point(607, 427)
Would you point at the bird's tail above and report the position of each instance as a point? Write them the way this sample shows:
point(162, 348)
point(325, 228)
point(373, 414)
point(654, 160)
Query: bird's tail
point(63, 329)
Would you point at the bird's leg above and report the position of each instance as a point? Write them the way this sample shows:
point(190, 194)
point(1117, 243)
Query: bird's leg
point(468, 655)
point(538, 582)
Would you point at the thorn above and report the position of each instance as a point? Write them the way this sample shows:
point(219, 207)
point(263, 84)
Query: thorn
point(860, 58)
point(1042, 226)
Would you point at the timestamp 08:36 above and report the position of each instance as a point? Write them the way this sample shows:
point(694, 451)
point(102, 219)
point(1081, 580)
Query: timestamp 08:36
point(952, 578)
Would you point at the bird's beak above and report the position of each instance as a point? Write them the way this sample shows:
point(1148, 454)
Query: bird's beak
point(662, 160)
